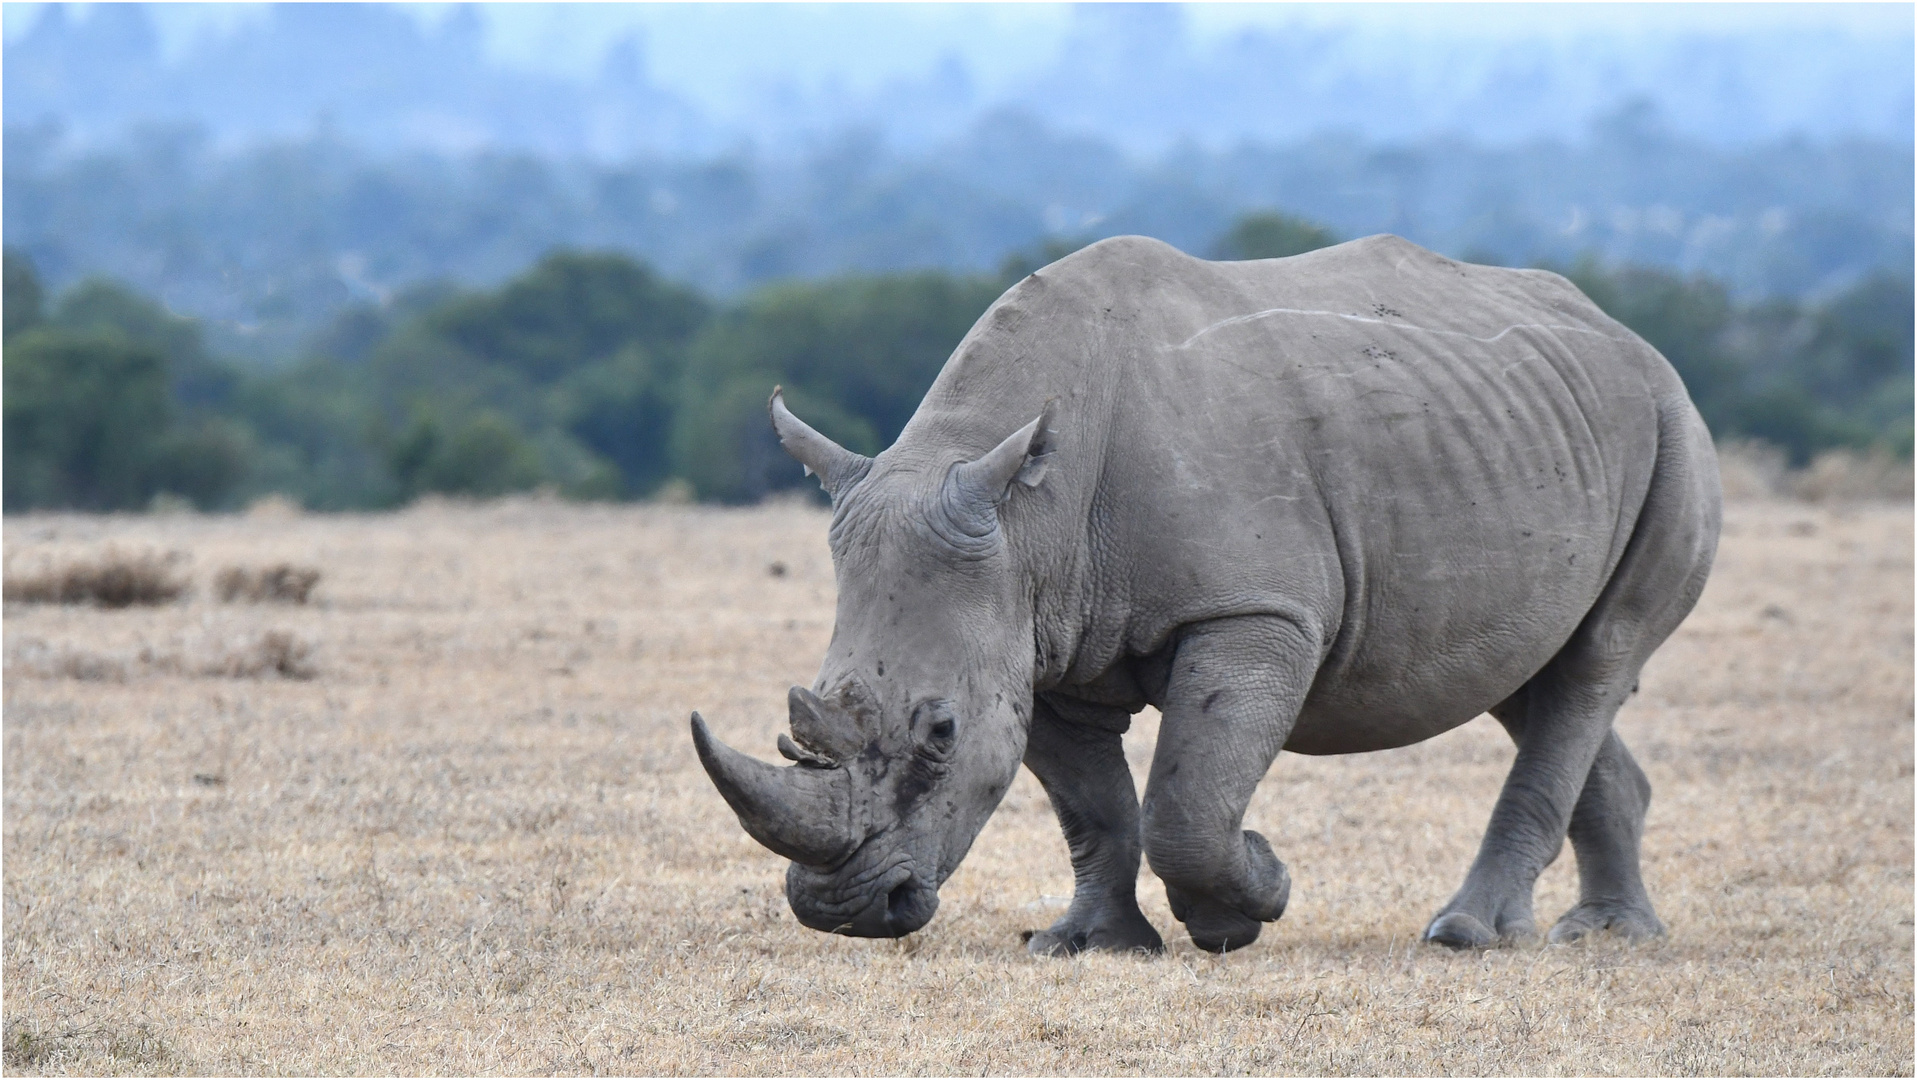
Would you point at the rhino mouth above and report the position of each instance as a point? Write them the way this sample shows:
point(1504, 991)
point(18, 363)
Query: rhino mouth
point(871, 895)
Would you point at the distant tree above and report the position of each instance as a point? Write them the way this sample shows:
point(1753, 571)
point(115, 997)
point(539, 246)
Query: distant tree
point(1863, 339)
point(581, 354)
point(98, 305)
point(111, 399)
point(856, 353)
point(85, 414)
point(621, 408)
point(24, 302)
point(569, 310)
point(1802, 378)
point(481, 454)
point(1271, 235)
point(1685, 319)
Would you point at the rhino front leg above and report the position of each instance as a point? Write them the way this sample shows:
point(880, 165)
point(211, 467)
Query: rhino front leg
point(1082, 767)
point(1234, 692)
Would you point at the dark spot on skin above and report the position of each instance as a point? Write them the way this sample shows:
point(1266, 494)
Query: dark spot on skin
point(881, 669)
point(871, 751)
point(1211, 700)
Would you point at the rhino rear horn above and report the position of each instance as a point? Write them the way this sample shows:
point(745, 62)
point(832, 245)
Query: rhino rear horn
point(974, 489)
point(822, 727)
point(802, 812)
point(837, 468)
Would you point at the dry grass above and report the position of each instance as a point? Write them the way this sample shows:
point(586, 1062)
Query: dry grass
point(478, 841)
point(1756, 470)
point(110, 579)
point(281, 583)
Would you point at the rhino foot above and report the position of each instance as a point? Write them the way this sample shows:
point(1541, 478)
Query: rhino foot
point(1634, 921)
point(1463, 930)
point(1109, 931)
point(1217, 928)
point(1217, 924)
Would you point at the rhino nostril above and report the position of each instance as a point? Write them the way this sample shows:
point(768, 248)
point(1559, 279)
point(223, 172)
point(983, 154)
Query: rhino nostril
point(910, 906)
point(898, 904)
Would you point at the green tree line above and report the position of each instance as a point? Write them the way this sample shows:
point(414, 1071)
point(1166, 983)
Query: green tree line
point(591, 374)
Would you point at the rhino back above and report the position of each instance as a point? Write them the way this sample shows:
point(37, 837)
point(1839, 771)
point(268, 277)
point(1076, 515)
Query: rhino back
point(1435, 466)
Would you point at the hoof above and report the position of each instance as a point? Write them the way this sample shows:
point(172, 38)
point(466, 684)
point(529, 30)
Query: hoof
point(1061, 940)
point(1068, 937)
point(1221, 925)
point(1462, 930)
point(1634, 922)
point(1458, 930)
point(1223, 930)
point(1214, 926)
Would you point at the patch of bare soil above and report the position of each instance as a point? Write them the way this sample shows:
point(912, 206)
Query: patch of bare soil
point(445, 817)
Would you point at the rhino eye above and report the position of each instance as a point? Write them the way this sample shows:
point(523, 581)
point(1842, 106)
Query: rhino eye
point(937, 725)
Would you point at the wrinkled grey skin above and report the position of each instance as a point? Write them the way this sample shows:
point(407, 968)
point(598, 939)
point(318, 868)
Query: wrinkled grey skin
point(1333, 503)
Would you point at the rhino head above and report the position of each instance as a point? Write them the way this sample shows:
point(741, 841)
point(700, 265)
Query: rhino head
point(916, 724)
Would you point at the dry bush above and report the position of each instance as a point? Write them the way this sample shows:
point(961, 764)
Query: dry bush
point(275, 652)
point(1751, 470)
point(137, 1050)
point(281, 583)
point(246, 655)
point(1756, 470)
point(1847, 476)
point(112, 580)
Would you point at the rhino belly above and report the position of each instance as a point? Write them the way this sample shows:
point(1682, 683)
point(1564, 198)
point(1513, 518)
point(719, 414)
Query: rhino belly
point(1435, 640)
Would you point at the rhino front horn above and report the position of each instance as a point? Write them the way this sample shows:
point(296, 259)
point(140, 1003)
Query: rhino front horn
point(801, 812)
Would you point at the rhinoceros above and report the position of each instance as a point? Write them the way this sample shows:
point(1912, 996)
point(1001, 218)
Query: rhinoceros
point(1333, 503)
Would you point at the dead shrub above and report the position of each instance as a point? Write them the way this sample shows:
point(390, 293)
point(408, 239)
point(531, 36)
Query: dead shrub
point(281, 583)
point(1750, 469)
point(1848, 476)
point(137, 1050)
point(114, 580)
point(276, 652)
point(1753, 469)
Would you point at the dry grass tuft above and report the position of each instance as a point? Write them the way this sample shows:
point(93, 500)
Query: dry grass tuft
point(281, 583)
point(134, 1051)
point(275, 652)
point(1845, 476)
point(113, 580)
point(477, 841)
point(1757, 471)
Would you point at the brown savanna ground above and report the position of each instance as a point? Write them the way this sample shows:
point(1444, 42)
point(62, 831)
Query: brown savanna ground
point(476, 840)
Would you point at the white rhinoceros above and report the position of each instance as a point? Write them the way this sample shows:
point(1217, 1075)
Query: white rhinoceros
point(1332, 503)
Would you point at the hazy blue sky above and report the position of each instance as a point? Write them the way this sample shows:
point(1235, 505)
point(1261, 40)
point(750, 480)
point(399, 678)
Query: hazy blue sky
point(724, 55)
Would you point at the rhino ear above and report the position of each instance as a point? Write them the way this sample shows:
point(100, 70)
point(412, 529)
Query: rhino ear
point(837, 468)
point(974, 489)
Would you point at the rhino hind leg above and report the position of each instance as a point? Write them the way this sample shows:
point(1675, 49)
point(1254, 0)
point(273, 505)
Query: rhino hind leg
point(1572, 774)
point(1607, 828)
point(1235, 689)
point(1082, 768)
